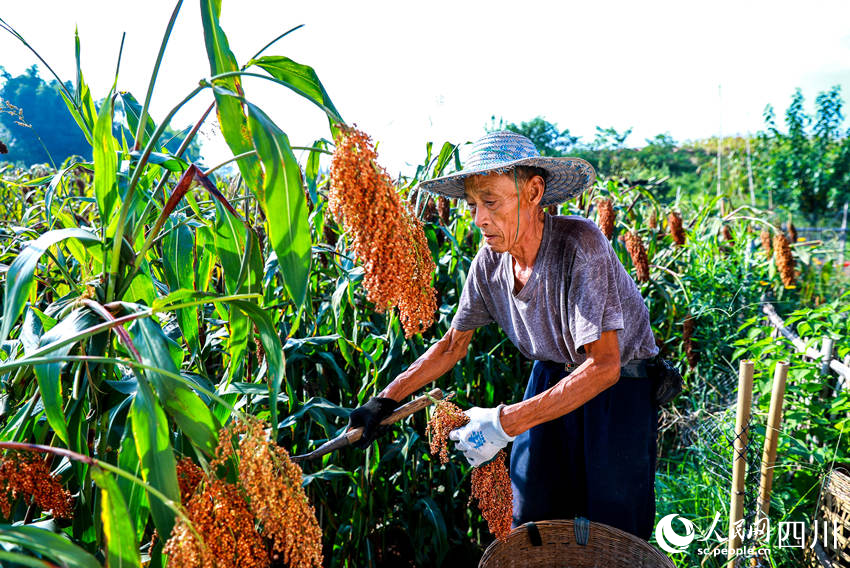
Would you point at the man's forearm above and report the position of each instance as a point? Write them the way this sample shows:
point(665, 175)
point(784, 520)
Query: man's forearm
point(433, 364)
point(569, 393)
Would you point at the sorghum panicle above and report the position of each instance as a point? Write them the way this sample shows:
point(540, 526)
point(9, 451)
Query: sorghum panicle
point(674, 221)
point(221, 517)
point(447, 416)
point(727, 234)
point(605, 208)
point(277, 499)
point(385, 235)
point(792, 232)
point(634, 245)
point(653, 220)
point(189, 476)
point(491, 485)
point(784, 260)
point(765, 242)
point(27, 475)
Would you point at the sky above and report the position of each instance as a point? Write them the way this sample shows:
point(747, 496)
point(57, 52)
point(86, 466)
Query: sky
point(412, 72)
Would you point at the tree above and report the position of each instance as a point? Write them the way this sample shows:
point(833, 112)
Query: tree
point(35, 123)
point(548, 140)
point(36, 126)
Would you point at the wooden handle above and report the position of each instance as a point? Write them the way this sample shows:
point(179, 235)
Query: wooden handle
point(401, 412)
point(351, 436)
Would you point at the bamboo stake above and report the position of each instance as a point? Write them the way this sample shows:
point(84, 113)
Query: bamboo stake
point(739, 453)
point(771, 439)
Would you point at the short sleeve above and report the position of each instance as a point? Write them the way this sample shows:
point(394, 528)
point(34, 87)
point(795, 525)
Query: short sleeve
point(472, 311)
point(593, 300)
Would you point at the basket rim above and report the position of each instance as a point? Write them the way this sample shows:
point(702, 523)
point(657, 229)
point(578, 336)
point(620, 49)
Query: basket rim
point(568, 525)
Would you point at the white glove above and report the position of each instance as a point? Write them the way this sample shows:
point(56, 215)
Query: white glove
point(483, 436)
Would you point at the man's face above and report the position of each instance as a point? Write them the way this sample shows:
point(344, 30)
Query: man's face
point(502, 215)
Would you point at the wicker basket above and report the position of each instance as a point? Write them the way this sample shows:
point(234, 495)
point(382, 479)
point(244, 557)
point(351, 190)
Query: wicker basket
point(835, 511)
point(573, 544)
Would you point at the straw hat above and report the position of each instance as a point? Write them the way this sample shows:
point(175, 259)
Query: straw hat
point(499, 152)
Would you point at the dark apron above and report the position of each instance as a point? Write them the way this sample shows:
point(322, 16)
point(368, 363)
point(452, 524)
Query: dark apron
point(597, 462)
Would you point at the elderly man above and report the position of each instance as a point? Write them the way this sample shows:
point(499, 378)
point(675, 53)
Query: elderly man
point(584, 435)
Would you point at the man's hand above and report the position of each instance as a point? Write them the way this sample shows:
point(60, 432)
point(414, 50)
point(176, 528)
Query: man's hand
point(482, 437)
point(369, 417)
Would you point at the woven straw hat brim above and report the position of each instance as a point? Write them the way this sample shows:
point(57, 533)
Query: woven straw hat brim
point(566, 178)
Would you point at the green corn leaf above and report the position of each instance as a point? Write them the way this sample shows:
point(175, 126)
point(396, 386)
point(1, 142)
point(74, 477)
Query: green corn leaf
point(188, 410)
point(311, 170)
point(132, 113)
point(23, 560)
point(153, 446)
point(19, 277)
point(274, 354)
point(178, 254)
point(19, 426)
point(231, 118)
point(134, 495)
point(241, 260)
point(50, 545)
point(300, 78)
point(105, 162)
point(48, 375)
point(282, 199)
point(122, 548)
point(142, 287)
point(170, 162)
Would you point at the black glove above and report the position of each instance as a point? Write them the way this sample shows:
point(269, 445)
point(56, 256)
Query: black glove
point(369, 417)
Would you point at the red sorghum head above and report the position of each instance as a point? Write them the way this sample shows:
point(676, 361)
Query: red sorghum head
point(26, 475)
point(386, 237)
point(765, 242)
point(605, 208)
point(677, 231)
point(634, 245)
point(784, 259)
point(491, 485)
point(447, 416)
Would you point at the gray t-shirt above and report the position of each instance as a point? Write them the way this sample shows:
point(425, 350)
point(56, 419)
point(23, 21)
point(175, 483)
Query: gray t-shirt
point(577, 289)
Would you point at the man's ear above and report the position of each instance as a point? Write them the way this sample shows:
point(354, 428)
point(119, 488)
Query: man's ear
point(534, 190)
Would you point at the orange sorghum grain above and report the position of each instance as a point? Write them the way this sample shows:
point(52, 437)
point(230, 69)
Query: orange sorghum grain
point(384, 233)
point(491, 485)
point(784, 260)
point(727, 234)
point(221, 517)
point(447, 417)
point(26, 475)
point(653, 220)
point(277, 500)
point(765, 242)
point(674, 221)
point(634, 245)
point(605, 208)
point(792, 232)
point(189, 476)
